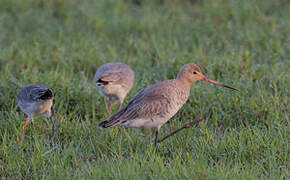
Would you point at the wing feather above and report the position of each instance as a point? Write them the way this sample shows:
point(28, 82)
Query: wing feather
point(147, 103)
point(34, 92)
point(110, 77)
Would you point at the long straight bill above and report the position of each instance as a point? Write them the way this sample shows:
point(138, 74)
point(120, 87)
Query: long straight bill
point(218, 83)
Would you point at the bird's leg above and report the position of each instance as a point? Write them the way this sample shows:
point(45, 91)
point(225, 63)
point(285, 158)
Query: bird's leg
point(120, 106)
point(156, 137)
point(31, 120)
point(112, 102)
point(20, 116)
point(53, 127)
point(53, 121)
point(121, 100)
point(27, 121)
point(109, 104)
point(52, 132)
point(188, 125)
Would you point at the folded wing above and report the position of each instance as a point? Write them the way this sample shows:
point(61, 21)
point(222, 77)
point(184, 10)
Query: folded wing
point(147, 103)
point(107, 78)
point(34, 93)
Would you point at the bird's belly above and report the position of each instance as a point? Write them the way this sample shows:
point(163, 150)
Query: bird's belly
point(42, 108)
point(156, 122)
point(147, 123)
point(112, 90)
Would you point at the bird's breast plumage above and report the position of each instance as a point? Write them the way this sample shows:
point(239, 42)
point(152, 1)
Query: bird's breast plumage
point(177, 97)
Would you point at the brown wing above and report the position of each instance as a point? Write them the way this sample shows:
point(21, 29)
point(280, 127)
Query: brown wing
point(147, 103)
point(112, 72)
point(111, 77)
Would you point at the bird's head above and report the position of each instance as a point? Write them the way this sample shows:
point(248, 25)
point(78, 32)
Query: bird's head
point(191, 73)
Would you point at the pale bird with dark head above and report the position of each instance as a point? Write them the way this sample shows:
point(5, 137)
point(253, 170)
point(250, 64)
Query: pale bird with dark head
point(114, 81)
point(35, 100)
point(153, 106)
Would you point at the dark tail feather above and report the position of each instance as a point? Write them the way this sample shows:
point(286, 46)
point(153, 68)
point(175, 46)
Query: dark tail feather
point(100, 81)
point(108, 123)
point(115, 120)
point(47, 95)
point(103, 124)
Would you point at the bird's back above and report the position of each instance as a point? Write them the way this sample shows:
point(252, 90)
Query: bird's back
point(33, 93)
point(162, 99)
point(115, 73)
point(35, 100)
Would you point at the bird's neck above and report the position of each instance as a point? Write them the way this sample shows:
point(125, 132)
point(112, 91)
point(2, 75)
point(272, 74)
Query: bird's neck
point(184, 83)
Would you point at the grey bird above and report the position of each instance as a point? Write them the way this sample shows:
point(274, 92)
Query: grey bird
point(35, 100)
point(153, 106)
point(114, 81)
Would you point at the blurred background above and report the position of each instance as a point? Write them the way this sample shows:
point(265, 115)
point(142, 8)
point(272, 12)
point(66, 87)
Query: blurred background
point(61, 43)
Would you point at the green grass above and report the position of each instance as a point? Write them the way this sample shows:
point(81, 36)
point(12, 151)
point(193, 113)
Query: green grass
point(61, 44)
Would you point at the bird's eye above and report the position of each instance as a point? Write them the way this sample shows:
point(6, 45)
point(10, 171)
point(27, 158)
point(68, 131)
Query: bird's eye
point(194, 72)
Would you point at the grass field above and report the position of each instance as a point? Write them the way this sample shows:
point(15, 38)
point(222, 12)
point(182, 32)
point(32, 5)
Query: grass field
point(61, 43)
